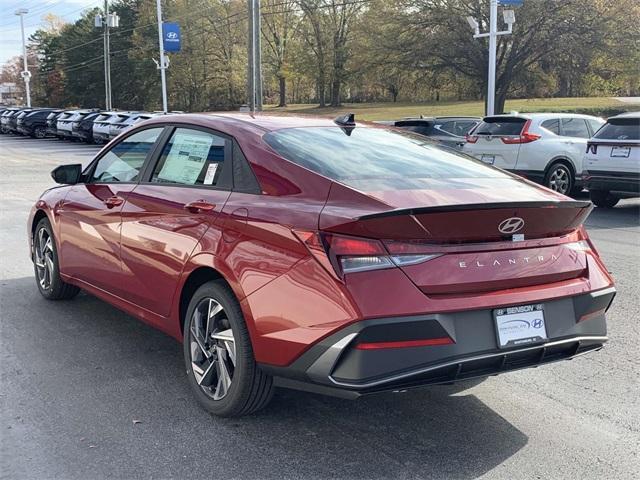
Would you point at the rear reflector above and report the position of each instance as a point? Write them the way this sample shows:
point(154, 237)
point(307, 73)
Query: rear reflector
point(590, 315)
point(426, 342)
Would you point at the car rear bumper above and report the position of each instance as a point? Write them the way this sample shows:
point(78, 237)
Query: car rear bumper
point(623, 182)
point(334, 366)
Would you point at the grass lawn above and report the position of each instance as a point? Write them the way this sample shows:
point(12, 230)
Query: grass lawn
point(392, 111)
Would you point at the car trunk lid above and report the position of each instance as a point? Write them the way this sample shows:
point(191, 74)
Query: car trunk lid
point(513, 238)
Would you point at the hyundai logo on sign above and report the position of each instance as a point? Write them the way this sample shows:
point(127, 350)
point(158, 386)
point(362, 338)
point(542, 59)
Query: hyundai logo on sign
point(171, 37)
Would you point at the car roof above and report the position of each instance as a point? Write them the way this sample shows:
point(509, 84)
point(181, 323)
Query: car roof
point(541, 116)
point(258, 123)
point(627, 115)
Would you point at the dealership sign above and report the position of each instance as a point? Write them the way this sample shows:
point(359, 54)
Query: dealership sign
point(171, 37)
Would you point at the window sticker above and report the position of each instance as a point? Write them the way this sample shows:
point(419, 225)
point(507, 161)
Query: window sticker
point(211, 173)
point(186, 158)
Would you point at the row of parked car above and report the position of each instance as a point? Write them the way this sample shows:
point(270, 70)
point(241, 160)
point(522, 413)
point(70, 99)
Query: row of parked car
point(564, 152)
point(87, 125)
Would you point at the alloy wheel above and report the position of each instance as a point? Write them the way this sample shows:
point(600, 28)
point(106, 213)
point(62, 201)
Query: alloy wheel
point(559, 180)
point(213, 348)
point(44, 258)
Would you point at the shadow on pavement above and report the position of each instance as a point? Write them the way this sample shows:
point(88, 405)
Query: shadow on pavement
point(624, 215)
point(77, 374)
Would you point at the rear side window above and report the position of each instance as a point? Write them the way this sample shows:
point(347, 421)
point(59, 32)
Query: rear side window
point(502, 126)
point(125, 160)
point(191, 157)
point(372, 159)
point(423, 128)
point(620, 129)
point(553, 125)
point(575, 127)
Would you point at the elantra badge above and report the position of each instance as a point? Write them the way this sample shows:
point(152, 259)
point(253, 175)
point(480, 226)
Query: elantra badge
point(511, 225)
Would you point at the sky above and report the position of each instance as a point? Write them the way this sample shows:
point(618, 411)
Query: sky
point(10, 37)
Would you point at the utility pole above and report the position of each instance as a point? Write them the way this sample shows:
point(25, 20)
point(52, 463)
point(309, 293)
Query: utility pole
point(254, 67)
point(26, 74)
point(509, 19)
point(107, 58)
point(163, 64)
point(109, 20)
point(251, 89)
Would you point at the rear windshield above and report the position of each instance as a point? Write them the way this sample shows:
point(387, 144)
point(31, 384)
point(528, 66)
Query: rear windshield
point(620, 129)
point(371, 159)
point(500, 126)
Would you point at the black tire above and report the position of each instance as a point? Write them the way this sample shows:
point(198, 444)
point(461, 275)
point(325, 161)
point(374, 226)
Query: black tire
point(560, 178)
point(54, 288)
point(250, 388)
point(39, 132)
point(603, 199)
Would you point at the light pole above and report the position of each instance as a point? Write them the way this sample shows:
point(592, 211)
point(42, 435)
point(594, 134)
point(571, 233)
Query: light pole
point(26, 74)
point(107, 21)
point(509, 19)
point(163, 64)
point(255, 57)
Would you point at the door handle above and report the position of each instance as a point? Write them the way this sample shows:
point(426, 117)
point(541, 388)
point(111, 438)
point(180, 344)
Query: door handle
point(114, 201)
point(199, 206)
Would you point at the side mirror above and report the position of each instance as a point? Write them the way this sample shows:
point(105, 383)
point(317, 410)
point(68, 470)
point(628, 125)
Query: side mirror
point(67, 174)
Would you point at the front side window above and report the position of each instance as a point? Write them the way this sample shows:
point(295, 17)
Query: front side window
point(125, 160)
point(191, 157)
point(372, 159)
point(575, 127)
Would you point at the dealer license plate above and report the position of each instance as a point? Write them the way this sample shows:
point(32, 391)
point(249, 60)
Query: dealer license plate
point(621, 152)
point(523, 325)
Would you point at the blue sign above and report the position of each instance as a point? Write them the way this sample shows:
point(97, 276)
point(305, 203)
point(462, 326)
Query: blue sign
point(512, 3)
point(171, 37)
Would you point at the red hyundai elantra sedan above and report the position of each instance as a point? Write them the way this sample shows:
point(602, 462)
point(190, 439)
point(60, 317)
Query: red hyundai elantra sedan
point(328, 256)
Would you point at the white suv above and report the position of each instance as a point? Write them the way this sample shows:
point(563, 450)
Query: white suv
point(612, 162)
point(544, 147)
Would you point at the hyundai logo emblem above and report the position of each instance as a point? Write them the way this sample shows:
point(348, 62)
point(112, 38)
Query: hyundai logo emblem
point(172, 35)
point(511, 225)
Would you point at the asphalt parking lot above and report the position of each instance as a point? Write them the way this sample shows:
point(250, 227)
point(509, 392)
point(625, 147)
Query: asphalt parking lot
point(89, 392)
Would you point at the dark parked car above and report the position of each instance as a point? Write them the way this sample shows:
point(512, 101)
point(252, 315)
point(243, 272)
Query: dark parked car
point(34, 123)
point(82, 128)
point(5, 116)
point(336, 258)
point(66, 121)
point(52, 122)
point(449, 131)
point(12, 123)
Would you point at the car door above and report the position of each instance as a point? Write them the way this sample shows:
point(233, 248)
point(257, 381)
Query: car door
point(182, 194)
point(90, 220)
point(575, 134)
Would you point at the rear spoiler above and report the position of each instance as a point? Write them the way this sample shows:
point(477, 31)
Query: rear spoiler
point(479, 206)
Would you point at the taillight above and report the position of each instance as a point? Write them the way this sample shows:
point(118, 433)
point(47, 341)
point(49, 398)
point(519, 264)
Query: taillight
point(471, 138)
point(524, 137)
point(342, 254)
